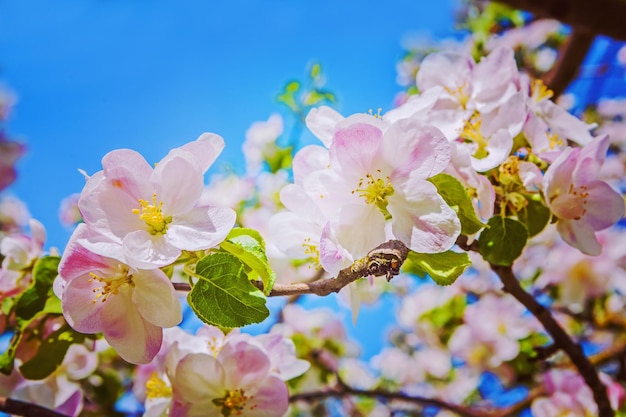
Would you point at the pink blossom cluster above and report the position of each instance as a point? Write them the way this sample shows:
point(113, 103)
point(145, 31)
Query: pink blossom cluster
point(215, 374)
point(62, 391)
point(138, 219)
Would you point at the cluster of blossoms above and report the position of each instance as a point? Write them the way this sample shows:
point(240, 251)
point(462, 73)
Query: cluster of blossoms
point(375, 177)
point(210, 373)
point(138, 219)
point(374, 170)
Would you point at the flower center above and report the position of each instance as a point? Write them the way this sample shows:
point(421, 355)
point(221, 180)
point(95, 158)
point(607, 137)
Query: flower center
point(234, 402)
point(555, 141)
point(570, 205)
point(157, 388)
point(471, 132)
point(111, 284)
point(459, 93)
point(375, 191)
point(540, 91)
point(152, 214)
point(312, 250)
point(214, 345)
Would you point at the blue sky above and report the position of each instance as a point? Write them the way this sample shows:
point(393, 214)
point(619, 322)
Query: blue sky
point(95, 75)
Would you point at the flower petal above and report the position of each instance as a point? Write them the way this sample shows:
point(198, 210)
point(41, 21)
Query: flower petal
point(579, 234)
point(156, 299)
point(422, 219)
point(415, 150)
point(201, 228)
point(145, 251)
point(135, 339)
point(322, 121)
point(178, 182)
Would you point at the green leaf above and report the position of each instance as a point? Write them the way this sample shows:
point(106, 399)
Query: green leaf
point(278, 158)
point(444, 268)
point(535, 216)
point(316, 71)
point(245, 231)
point(251, 252)
point(51, 353)
point(33, 300)
point(503, 241)
point(7, 359)
point(453, 192)
point(224, 296)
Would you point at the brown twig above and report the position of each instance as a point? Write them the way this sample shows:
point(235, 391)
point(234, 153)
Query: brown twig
point(571, 56)
point(602, 17)
point(385, 259)
point(560, 338)
point(23, 408)
point(346, 391)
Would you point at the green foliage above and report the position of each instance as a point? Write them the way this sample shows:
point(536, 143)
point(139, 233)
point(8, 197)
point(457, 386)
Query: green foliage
point(300, 97)
point(278, 158)
point(444, 268)
point(503, 241)
point(51, 353)
point(453, 192)
point(249, 247)
point(33, 300)
point(535, 216)
point(223, 295)
point(37, 300)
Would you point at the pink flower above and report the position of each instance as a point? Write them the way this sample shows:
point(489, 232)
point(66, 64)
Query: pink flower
point(154, 213)
point(129, 306)
point(376, 171)
point(238, 381)
point(582, 203)
point(19, 253)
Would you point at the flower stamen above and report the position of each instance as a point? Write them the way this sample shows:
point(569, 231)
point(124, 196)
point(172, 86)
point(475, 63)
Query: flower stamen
point(152, 214)
point(111, 285)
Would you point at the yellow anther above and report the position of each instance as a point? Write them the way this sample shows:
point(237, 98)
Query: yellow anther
point(234, 402)
point(540, 91)
point(471, 131)
point(152, 214)
point(459, 93)
point(111, 284)
point(312, 250)
point(157, 388)
point(555, 141)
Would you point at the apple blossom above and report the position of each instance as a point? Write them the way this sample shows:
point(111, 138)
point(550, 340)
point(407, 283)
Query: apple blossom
point(153, 213)
point(19, 253)
point(129, 306)
point(60, 391)
point(375, 171)
point(582, 203)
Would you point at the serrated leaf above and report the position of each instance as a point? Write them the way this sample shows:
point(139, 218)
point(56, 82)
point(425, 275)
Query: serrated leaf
point(251, 252)
point(503, 241)
point(444, 268)
point(51, 353)
point(535, 216)
point(245, 231)
point(455, 194)
point(33, 300)
point(224, 296)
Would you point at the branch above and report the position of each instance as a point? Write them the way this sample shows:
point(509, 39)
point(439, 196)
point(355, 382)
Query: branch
point(23, 408)
point(387, 395)
point(571, 56)
point(384, 260)
point(560, 338)
point(602, 17)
